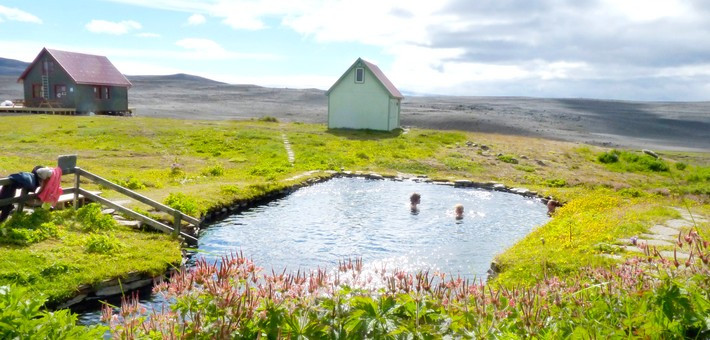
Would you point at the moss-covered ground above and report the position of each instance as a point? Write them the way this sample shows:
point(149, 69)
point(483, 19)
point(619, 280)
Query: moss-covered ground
point(217, 162)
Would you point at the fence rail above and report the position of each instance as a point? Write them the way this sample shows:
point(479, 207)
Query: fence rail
point(177, 215)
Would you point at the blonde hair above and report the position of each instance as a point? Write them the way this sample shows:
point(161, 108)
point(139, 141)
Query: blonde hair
point(458, 208)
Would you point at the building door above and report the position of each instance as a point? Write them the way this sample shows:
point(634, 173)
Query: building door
point(394, 114)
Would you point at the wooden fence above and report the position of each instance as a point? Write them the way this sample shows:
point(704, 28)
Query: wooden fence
point(68, 166)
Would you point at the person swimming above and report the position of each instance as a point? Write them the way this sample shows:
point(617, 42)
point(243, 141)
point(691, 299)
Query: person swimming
point(414, 200)
point(458, 209)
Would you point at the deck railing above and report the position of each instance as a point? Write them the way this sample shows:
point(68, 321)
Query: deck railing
point(68, 165)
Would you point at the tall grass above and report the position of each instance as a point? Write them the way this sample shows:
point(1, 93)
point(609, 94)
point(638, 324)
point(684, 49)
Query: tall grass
point(645, 297)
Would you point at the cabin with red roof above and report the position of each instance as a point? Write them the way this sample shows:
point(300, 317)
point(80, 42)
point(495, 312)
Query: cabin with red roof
point(83, 82)
point(363, 98)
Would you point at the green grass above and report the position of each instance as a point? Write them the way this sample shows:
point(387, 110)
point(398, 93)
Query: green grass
point(572, 239)
point(215, 163)
point(85, 250)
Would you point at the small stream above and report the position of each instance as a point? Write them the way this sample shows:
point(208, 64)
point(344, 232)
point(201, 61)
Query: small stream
point(344, 218)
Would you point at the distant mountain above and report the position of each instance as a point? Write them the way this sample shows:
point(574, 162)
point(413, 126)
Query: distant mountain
point(180, 77)
point(12, 67)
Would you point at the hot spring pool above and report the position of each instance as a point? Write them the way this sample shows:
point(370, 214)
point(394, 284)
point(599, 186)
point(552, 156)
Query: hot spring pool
point(348, 218)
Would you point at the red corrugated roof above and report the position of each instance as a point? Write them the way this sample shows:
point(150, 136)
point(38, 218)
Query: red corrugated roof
point(85, 68)
point(378, 73)
point(383, 79)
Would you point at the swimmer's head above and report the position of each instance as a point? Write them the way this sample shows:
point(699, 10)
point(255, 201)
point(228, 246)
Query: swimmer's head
point(458, 209)
point(415, 198)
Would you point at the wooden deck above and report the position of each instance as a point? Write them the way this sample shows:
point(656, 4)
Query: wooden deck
point(41, 110)
point(53, 111)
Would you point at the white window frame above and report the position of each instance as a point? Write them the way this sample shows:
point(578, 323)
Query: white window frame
point(362, 69)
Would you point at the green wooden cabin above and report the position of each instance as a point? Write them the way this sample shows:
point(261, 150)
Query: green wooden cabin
point(84, 82)
point(363, 98)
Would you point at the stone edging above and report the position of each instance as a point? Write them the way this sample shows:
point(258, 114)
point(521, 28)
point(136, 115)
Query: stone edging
point(219, 213)
point(113, 287)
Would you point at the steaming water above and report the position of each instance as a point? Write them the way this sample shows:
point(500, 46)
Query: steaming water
point(346, 218)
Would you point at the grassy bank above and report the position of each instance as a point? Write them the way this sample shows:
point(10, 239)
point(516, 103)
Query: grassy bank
point(54, 254)
point(608, 194)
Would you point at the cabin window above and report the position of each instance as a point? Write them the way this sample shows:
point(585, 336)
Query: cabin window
point(106, 93)
point(36, 91)
point(60, 91)
point(359, 75)
point(97, 92)
point(48, 66)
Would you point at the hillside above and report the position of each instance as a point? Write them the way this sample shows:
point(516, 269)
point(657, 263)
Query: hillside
point(11, 67)
point(653, 125)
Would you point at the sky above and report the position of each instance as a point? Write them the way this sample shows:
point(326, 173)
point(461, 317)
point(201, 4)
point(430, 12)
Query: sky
point(655, 50)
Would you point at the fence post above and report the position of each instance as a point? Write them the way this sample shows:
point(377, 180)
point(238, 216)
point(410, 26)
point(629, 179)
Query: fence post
point(76, 190)
point(23, 198)
point(177, 222)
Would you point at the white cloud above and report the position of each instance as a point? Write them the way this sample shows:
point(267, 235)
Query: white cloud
point(202, 46)
point(491, 46)
point(196, 19)
point(148, 35)
point(110, 27)
point(206, 49)
point(14, 14)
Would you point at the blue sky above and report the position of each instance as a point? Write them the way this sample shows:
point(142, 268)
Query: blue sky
point(631, 49)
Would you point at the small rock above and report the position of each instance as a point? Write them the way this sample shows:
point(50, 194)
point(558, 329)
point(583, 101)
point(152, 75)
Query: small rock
point(677, 224)
point(498, 186)
point(132, 224)
point(523, 157)
point(484, 147)
point(462, 183)
point(658, 237)
point(540, 163)
point(650, 153)
point(375, 176)
point(520, 191)
point(499, 155)
point(668, 254)
point(108, 211)
point(663, 230)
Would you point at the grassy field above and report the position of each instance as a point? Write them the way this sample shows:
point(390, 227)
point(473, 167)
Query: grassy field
point(214, 163)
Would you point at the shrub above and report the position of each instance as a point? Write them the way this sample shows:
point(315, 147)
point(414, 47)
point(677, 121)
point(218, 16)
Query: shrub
point(132, 183)
point(681, 166)
point(182, 202)
point(102, 244)
point(608, 157)
point(90, 218)
point(25, 229)
point(526, 168)
point(268, 119)
point(555, 183)
point(22, 316)
point(508, 159)
point(362, 155)
point(632, 161)
point(215, 170)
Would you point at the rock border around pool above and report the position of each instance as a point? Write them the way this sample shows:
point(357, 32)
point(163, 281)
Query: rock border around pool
point(219, 213)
